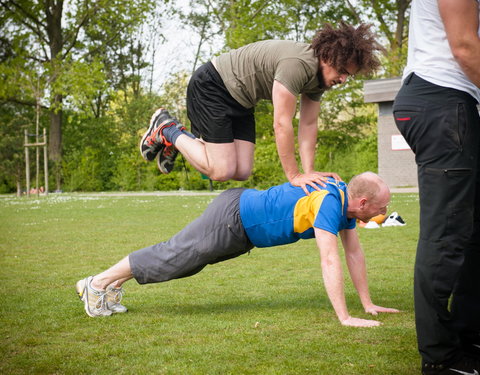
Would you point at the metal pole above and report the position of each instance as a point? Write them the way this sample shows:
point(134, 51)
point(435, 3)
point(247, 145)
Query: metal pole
point(37, 151)
point(45, 160)
point(37, 167)
point(27, 164)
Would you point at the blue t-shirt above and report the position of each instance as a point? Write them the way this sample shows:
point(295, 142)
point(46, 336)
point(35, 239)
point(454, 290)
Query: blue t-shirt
point(283, 214)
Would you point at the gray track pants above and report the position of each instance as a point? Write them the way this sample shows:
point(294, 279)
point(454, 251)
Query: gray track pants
point(215, 236)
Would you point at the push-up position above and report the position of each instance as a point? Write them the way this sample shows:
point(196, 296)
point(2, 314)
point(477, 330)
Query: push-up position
point(240, 219)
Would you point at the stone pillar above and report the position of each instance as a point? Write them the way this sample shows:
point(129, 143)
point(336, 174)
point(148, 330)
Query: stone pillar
point(396, 161)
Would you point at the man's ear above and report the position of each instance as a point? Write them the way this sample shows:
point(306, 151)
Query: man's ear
point(363, 202)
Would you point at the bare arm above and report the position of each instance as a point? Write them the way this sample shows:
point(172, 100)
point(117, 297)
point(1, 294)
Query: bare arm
point(284, 104)
point(460, 18)
point(307, 132)
point(333, 279)
point(307, 136)
point(358, 271)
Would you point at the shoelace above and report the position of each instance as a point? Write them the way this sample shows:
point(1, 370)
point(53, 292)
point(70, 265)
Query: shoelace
point(118, 294)
point(151, 139)
point(168, 151)
point(101, 301)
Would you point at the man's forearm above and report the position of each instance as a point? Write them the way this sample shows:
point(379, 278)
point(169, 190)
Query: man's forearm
point(332, 272)
point(460, 18)
point(285, 140)
point(358, 272)
point(469, 60)
point(307, 141)
point(333, 281)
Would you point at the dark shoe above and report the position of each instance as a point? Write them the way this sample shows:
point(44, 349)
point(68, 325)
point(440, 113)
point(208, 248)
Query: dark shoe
point(464, 366)
point(472, 350)
point(166, 159)
point(153, 140)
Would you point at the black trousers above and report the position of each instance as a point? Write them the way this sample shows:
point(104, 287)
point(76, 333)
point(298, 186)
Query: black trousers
point(442, 127)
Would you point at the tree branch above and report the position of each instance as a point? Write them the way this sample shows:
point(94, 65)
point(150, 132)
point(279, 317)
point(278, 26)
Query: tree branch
point(354, 12)
point(37, 26)
point(30, 103)
point(73, 36)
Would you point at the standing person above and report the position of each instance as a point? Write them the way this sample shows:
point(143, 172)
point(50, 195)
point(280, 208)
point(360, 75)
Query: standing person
point(222, 94)
point(239, 219)
point(436, 111)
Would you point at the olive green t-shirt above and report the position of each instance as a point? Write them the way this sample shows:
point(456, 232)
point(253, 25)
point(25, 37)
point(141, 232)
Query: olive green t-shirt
point(249, 72)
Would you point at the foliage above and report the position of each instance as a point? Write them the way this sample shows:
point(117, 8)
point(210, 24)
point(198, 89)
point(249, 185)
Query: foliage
point(262, 313)
point(12, 166)
point(346, 155)
point(50, 40)
point(89, 75)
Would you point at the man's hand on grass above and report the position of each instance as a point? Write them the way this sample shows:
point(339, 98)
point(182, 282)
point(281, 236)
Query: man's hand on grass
point(374, 310)
point(357, 322)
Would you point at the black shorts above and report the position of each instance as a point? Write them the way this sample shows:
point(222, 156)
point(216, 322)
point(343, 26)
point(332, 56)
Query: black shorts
point(215, 115)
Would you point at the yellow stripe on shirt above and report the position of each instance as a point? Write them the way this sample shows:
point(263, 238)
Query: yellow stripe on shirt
point(307, 208)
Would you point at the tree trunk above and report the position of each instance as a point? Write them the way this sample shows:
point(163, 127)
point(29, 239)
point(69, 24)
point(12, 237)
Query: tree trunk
point(55, 141)
point(53, 12)
point(400, 29)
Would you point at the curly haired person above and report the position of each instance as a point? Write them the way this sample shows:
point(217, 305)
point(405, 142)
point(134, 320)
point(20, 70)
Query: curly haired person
point(222, 95)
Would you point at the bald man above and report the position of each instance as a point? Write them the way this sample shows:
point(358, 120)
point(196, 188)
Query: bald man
point(240, 219)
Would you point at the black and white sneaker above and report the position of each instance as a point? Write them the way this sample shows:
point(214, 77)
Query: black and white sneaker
point(166, 156)
point(472, 348)
point(153, 140)
point(166, 159)
point(464, 366)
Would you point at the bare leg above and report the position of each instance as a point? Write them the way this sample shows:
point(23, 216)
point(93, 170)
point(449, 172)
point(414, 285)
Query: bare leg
point(219, 161)
point(118, 274)
point(245, 151)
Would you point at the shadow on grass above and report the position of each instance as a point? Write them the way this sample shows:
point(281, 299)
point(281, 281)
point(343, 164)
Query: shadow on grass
point(245, 305)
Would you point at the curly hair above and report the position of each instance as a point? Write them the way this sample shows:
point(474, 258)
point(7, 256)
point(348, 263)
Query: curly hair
point(347, 45)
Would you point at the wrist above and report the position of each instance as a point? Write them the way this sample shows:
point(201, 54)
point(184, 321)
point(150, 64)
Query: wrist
point(292, 175)
point(367, 303)
point(343, 317)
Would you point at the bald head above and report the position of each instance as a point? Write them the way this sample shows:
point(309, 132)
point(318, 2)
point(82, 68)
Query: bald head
point(368, 196)
point(366, 184)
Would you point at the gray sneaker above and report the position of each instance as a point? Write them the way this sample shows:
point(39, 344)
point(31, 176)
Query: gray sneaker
point(94, 300)
point(114, 297)
point(153, 140)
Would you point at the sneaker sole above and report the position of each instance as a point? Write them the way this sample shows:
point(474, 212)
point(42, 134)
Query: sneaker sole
point(152, 123)
point(117, 310)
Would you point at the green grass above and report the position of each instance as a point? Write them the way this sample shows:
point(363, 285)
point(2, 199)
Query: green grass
point(263, 313)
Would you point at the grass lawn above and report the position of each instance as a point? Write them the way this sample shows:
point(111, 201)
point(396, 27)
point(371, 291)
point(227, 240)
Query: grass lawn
point(262, 313)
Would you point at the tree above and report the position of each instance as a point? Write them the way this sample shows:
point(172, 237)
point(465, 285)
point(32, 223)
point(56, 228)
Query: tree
point(57, 40)
point(391, 18)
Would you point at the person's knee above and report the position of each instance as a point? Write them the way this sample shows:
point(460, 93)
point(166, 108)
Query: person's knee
point(221, 174)
point(244, 170)
point(226, 173)
point(243, 175)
